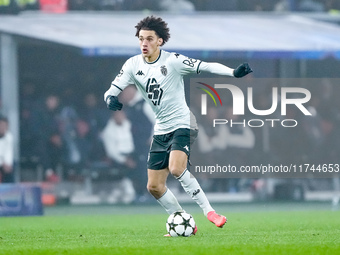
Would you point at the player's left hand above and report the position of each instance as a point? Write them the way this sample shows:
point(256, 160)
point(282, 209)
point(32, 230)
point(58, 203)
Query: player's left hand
point(242, 70)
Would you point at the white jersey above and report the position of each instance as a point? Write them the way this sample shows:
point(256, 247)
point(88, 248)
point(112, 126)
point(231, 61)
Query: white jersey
point(161, 85)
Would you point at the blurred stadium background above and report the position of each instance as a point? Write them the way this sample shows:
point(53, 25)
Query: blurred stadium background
point(58, 57)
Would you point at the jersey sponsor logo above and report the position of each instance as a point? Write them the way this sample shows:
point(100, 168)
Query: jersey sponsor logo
point(190, 62)
point(186, 147)
point(140, 72)
point(164, 70)
point(155, 92)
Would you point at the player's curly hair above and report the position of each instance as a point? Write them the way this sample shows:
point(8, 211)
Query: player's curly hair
point(156, 24)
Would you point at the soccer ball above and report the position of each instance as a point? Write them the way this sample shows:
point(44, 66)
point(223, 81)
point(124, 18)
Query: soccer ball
point(180, 224)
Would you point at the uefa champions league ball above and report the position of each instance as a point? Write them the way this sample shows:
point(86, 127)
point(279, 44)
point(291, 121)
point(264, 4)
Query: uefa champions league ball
point(180, 224)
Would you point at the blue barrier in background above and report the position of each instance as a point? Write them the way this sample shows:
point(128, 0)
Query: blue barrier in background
point(20, 200)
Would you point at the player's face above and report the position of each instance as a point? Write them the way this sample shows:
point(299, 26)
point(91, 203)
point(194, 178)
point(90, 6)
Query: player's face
point(149, 44)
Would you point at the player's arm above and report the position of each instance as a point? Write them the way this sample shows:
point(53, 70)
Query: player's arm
point(185, 65)
point(220, 69)
point(122, 80)
point(111, 98)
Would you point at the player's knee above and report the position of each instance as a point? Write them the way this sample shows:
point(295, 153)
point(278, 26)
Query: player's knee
point(156, 190)
point(176, 171)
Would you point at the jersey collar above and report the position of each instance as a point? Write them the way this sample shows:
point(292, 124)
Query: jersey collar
point(159, 56)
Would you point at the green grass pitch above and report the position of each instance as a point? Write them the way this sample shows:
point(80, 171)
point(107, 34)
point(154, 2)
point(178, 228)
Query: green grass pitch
point(253, 232)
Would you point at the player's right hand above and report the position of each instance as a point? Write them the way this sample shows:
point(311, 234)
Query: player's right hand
point(113, 104)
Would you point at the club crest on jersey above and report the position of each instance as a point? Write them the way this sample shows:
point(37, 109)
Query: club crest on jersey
point(164, 70)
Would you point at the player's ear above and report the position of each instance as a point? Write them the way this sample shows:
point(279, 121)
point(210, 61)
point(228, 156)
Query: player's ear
point(160, 41)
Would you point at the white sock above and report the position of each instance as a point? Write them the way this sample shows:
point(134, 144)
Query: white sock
point(193, 189)
point(169, 202)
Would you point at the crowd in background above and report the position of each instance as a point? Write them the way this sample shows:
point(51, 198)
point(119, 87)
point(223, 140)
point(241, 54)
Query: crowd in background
point(187, 6)
point(75, 131)
point(59, 129)
point(6, 151)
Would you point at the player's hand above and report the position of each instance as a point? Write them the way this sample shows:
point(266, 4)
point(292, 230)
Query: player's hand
point(242, 70)
point(113, 104)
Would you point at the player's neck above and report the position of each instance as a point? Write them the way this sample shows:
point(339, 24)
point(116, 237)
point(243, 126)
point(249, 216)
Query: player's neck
point(153, 57)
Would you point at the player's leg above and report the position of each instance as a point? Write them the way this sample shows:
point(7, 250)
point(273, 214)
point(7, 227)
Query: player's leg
point(178, 161)
point(158, 172)
point(158, 189)
point(177, 167)
point(157, 182)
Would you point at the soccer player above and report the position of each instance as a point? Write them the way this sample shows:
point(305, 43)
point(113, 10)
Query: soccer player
point(158, 75)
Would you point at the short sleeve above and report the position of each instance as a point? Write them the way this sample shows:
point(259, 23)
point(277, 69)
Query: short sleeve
point(185, 65)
